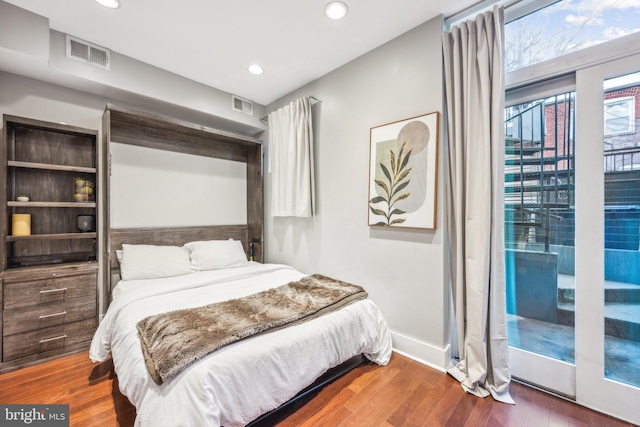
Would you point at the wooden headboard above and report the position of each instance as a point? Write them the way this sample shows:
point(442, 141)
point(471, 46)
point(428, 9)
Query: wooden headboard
point(170, 236)
point(174, 236)
point(128, 126)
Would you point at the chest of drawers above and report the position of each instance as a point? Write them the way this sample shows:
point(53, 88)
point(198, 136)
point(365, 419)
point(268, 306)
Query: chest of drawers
point(47, 312)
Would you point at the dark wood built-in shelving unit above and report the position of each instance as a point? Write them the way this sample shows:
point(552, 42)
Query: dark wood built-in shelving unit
point(49, 277)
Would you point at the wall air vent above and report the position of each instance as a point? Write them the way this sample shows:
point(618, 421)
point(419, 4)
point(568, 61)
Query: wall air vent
point(242, 105)
point(86, 52)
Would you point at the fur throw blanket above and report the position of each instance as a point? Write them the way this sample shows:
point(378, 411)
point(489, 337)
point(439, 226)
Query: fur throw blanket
point(172, 341)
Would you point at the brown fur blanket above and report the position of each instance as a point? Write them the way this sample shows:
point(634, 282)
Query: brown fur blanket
point(172, 341)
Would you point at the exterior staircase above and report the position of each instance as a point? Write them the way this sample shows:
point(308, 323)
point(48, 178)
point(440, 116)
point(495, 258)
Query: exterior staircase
point(539, 173)
point(621, 307)
point(540, 221)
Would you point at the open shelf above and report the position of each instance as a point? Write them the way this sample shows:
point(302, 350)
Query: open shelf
point(52, 260)
point(51, 204)
point(47, 166)
point(43, 160)
point(60, 236)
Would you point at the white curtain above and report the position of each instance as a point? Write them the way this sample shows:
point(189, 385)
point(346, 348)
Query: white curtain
point(474, 90)
point(291, 150)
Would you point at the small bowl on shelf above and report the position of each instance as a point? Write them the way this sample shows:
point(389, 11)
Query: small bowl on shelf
point(23, 198)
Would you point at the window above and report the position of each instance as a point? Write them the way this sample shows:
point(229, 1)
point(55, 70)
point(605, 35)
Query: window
point(567, 26)
point(621, 136)
point(619, 116)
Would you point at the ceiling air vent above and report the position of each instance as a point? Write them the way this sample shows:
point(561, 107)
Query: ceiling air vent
point(242, 105)
point(89, 53)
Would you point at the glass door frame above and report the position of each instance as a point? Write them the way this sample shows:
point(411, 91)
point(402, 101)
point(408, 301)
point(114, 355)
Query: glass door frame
point(593, 389)
point(555, 375)
point(585, 380)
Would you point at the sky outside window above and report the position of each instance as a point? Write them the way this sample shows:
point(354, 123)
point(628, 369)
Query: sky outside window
point(568, 26)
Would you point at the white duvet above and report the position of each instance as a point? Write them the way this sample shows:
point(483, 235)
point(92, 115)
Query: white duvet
point(236, 384)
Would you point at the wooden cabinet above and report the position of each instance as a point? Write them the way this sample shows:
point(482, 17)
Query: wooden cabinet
point(47, 312)
point(49, 265)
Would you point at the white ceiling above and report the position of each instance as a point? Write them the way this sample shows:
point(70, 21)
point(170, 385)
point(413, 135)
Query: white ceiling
point(214, 42)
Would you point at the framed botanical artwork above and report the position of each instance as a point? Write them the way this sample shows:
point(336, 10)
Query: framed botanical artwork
point(403, 173)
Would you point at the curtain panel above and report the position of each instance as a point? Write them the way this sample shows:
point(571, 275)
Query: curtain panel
point(474, 92)
point(291, 150)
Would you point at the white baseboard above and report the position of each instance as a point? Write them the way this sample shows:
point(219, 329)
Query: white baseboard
point(421, 352)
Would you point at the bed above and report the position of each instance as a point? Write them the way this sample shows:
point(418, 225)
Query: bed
point(240, 382)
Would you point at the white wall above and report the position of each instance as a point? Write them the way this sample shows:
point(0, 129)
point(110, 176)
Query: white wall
point(403, 270)
point(24, 32)
point(25, 97)
point(158, 188)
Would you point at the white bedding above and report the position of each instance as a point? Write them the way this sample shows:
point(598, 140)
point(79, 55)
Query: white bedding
point(239, 382)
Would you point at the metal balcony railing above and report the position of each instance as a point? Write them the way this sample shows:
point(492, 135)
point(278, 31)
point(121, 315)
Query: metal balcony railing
point(622, 159)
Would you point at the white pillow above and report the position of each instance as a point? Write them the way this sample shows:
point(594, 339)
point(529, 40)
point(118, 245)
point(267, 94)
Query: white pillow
point(151, 262)
point(216, 254)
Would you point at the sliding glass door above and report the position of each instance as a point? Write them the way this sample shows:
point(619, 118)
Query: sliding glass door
point(539, 233)
point(572, 235)
point(607, 238)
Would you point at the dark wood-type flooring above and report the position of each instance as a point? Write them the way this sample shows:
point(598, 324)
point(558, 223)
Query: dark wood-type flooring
point(404, 393)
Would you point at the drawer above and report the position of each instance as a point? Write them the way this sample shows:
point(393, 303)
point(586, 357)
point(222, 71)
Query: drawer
point(43, 340)
point(39, 316)
point(46, 290)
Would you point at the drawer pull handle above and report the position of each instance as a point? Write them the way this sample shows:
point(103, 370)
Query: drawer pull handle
point(53, 290)
point(52, 339)
point(44, 316)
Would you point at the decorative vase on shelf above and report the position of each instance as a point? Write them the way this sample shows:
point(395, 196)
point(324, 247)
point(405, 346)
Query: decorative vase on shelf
point(23, 198)
point(83, 190)
point(86, 223)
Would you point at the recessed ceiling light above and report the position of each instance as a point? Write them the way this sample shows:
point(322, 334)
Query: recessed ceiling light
point(256, 69)
point(336, 10)
point(111, 4)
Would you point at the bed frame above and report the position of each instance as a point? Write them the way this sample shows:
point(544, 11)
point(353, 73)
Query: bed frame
point(178, 236)
point(128, 126)
point(299, 400)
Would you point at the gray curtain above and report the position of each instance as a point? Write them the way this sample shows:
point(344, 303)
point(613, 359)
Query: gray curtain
point(474, 91)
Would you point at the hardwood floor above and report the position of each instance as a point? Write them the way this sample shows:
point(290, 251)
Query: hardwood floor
point(404, 393)
point(91, 390)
